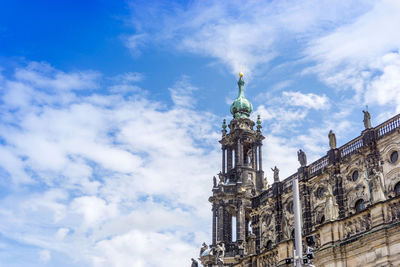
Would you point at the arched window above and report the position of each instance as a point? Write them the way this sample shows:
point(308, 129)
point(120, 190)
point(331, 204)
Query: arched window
point(360, 205)
point(397, 189)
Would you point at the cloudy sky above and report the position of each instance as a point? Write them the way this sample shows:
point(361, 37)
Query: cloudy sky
point(111, 111)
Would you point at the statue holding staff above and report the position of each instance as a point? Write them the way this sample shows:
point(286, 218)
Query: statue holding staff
point(367, 119)
point(276, 174)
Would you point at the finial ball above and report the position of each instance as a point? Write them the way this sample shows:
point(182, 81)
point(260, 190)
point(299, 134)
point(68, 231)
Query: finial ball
point(241, 74)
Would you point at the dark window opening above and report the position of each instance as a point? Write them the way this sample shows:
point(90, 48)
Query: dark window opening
point(290, 207)
point(322, 219)
point(320, 192)
point(269, 244)
point(397, 189)
point(360, 205)
point(354, 176)
point(394, 156)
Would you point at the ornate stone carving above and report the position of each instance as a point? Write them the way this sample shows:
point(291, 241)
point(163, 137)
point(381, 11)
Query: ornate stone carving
point(220, 252)
point(203, 248)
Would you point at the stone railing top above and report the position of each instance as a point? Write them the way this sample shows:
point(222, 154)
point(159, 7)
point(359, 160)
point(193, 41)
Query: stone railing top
point(387, 126)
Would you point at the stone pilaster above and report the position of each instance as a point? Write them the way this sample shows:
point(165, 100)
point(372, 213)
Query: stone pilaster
point(214, 224)
point(240, 234)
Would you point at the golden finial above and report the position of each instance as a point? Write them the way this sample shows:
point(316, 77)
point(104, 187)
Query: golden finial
point(241, 74)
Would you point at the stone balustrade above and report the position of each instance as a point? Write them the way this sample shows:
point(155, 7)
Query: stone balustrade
point(269, 259)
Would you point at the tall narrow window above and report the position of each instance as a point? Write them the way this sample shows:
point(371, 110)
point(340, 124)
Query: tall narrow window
point(234, 229)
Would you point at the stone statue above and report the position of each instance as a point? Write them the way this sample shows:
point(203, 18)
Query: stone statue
point(194, 263)
point(250, 156)
point(367, 119)
point(331, 211)
point(203, 248)
point(301, 156)
point(220, 252)
point(215, 181)
point(378, 186)
point(265, 183)
point(276, 174)
point(285, 226)
point(332, 139)
point(221, 178)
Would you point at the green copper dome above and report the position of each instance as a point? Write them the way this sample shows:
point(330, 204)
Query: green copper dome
point(241, 107)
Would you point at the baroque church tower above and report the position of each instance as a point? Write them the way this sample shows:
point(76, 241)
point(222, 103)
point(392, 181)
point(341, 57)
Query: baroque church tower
point(240, 179)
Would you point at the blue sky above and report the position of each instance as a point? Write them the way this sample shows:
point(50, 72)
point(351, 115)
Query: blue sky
point(111, 113)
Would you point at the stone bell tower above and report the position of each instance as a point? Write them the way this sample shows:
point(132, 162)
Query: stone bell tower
point(240, 179)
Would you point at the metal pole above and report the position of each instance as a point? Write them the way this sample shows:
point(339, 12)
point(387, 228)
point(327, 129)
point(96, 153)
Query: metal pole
point(297, 223)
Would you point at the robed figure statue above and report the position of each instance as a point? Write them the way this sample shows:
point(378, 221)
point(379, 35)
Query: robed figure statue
point(332, 139)
point(367, 119)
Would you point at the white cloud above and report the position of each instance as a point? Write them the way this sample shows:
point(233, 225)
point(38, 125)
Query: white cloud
point(46, 77)
point(135, 43)
point(142, 249)
point(95, 170)
point(306, 100)
point(181, 93)
point(362, 55)
point(44, 256)
point(385, 88)
point(241, 35)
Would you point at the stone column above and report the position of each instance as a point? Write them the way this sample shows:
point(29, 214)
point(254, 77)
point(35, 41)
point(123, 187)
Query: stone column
point(240, 152)
point(237, 152)
point(260, 157)
point(223, 159)
point(214, 224)
point(240, 234)
point(254, 155)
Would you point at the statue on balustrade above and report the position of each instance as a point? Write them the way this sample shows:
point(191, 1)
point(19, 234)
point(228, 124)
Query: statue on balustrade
point(301, 156)
point(378, 186)
point(194, 263)
point(276, 174)
point(331, 211)
point(332, 139)
point(367, 119)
